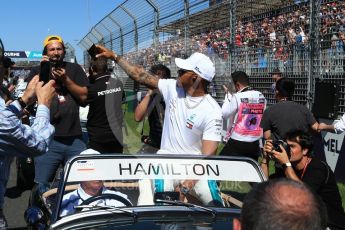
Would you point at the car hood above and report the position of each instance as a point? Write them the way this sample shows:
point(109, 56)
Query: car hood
point(151, 217)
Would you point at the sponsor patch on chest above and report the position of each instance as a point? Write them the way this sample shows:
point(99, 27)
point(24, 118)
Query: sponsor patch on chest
point(190, 121)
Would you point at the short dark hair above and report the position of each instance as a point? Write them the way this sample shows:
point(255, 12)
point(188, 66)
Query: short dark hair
point(241, 77)
point(269, 206)
point(285, 87)
point(301, 137)
point(161, 70)
point(99, 65)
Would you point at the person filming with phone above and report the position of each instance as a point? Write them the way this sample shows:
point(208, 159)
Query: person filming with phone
point(67, 141)
point(295, 156)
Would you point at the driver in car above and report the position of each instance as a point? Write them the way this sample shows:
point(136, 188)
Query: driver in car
point(87, 190)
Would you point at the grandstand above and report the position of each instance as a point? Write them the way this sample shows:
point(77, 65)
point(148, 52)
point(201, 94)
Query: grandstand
point(304, 39)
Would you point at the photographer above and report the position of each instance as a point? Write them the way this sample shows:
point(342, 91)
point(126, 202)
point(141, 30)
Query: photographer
point(64, 110)
point(298, 164)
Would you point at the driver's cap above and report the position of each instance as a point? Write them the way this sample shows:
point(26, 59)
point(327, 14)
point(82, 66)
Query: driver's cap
point(52, 38)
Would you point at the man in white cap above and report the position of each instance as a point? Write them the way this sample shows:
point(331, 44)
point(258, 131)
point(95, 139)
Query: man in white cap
point(193, 119)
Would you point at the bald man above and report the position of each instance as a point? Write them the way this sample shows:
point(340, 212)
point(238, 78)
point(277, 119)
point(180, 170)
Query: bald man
point(281, 204)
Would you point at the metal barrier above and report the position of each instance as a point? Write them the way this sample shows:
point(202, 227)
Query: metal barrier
point(298, 37)
point(303, 38)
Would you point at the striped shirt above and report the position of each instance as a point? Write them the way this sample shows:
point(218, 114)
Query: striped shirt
point(22, 140)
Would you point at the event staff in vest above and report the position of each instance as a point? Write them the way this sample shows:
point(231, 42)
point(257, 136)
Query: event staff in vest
point(244, 110)
point(64, 112)
point(104, 95)
point(192, 121)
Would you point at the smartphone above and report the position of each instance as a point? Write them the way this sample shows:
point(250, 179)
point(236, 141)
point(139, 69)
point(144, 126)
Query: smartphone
point(93, 51)
point(44, 71)
point(58, 64)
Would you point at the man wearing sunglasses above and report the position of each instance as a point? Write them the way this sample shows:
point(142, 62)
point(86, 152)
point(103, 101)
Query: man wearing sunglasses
point(193, 119)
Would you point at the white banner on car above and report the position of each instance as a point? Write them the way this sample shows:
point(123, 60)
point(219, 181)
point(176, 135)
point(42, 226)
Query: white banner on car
point(148, 168)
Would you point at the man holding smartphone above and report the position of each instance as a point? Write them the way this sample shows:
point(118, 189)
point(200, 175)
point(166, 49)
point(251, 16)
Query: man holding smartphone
point(17, 139)
point(67, 141)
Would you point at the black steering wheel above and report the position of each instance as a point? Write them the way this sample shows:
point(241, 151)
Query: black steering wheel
point(107, 196)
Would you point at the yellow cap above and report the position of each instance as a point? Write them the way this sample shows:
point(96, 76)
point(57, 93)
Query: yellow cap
point(52, 38)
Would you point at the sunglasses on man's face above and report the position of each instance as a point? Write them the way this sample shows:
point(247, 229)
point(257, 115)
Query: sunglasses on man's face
point(180, 72)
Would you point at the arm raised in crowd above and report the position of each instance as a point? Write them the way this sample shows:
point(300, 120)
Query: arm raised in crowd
point(137, 73)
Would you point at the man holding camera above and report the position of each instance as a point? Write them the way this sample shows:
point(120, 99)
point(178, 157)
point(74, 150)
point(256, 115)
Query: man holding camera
point(298, 164)
point(67, 140)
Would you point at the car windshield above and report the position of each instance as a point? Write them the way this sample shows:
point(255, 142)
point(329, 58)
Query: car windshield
point(124, 183)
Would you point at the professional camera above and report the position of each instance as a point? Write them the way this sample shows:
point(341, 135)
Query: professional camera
point(276, 146)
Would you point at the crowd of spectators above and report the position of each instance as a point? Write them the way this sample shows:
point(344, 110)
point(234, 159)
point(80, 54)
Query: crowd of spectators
point(280, 35)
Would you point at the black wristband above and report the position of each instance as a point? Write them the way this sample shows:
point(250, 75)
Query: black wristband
point(21, 102)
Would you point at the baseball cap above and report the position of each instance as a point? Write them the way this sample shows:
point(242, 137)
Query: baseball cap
point(52, 38)
point(198, 63)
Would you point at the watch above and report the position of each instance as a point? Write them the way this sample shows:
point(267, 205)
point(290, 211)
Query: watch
point(184, 190)
point(285, 165)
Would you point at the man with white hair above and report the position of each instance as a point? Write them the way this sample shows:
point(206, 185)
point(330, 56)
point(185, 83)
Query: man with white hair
point(193, 119)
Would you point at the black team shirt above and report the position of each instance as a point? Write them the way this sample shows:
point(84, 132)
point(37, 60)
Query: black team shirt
point(64, 112)
point(105, 117)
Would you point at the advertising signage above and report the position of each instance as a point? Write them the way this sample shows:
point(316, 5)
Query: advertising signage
point(24, 54)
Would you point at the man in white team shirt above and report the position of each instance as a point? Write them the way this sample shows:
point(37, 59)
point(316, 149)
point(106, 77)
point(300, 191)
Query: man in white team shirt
point(244, 109)
point(193, 119)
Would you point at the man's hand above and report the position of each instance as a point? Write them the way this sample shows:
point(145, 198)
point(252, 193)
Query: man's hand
point(29, 94)
point(104, 52)
point(45, 58)
point(59, 74)
point(226, 90)
point(45, 93)
point(281, 157)
point(185, 187)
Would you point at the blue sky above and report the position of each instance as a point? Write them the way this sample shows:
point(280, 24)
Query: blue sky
point(25, 23)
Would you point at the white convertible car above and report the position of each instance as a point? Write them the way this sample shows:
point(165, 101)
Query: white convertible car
point(146, 192)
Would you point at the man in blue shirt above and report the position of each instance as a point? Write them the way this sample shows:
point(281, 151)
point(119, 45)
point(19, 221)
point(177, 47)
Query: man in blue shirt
point(17, 139)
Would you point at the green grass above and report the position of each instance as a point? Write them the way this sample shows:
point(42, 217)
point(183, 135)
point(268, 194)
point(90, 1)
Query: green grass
point(132, 133)
point(341, 187)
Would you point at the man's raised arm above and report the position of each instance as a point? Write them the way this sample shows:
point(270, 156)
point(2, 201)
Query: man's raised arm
point(137, 73)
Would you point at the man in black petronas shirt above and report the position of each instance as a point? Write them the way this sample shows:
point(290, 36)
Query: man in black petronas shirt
point(64, 112)
point(105, 117)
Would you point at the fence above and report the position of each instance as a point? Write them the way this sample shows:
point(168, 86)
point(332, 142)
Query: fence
point(304, 39)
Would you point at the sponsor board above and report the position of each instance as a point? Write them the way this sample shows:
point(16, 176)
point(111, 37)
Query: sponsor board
point(137, 168)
